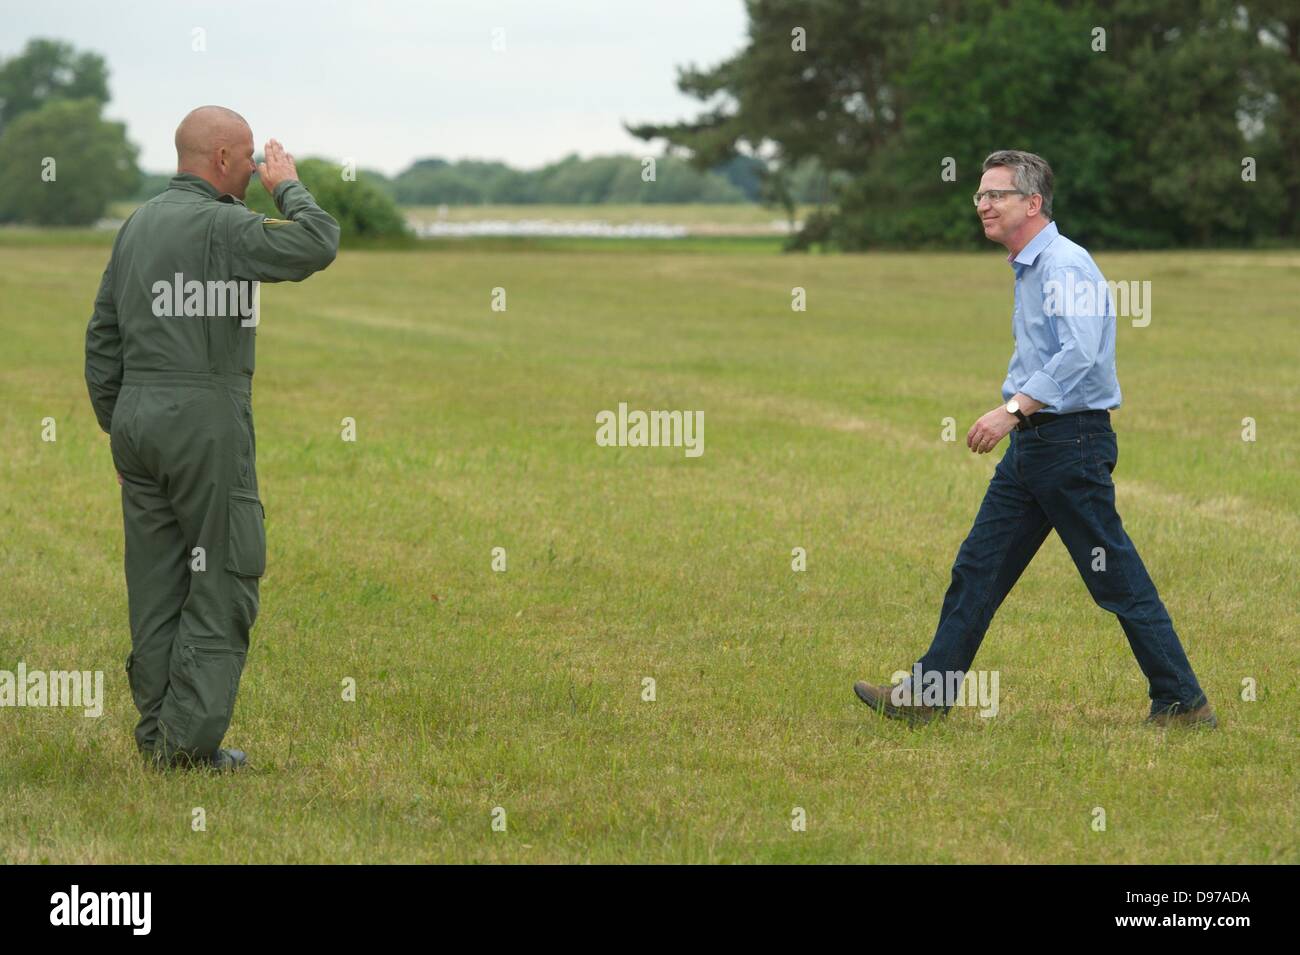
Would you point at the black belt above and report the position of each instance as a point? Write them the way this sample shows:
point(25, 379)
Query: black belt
point(1043, 417)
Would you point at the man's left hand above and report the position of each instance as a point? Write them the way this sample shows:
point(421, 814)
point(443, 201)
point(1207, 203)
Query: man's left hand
point(985, 433)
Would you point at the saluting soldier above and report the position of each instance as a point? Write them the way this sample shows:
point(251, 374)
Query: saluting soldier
point(169, 367)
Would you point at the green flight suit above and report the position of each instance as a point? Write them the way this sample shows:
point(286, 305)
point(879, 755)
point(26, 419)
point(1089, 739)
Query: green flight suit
point(173, 389)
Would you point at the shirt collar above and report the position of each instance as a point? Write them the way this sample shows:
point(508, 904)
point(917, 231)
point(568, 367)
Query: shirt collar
point(197, 184)
point(1036, 245)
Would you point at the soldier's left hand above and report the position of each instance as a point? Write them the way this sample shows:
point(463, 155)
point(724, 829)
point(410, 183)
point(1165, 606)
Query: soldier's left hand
point(985, 433)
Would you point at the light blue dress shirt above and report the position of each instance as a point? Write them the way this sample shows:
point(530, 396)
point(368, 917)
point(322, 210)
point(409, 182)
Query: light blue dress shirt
point(1064, 327)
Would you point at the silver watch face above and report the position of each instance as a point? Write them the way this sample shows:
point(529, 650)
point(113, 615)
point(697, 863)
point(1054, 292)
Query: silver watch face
point(1013, 406)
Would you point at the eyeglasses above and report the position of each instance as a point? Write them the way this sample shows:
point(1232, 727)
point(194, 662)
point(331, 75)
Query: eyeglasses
point(997, 195)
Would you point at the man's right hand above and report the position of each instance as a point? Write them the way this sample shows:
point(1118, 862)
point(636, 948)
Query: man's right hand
point(277, 166)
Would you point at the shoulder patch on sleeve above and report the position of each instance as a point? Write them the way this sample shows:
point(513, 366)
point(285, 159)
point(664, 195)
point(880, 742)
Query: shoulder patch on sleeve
point(275, 223)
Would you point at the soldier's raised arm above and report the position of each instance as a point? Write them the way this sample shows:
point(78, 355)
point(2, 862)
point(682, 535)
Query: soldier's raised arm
point(281, 250)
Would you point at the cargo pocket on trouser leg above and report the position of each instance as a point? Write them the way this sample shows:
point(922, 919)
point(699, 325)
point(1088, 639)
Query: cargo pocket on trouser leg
point(246, 557)
point(204, 681)
point(247, 551)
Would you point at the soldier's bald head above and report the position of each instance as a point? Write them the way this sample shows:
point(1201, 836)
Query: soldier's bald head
point(207, 129)
point(216, 144)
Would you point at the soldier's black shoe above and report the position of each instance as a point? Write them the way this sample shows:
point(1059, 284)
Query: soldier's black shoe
point(228, 760)
point(880, 699)
point(223, 760)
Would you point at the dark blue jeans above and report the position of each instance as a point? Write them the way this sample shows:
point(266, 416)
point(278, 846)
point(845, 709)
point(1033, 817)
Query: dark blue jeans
point(1059, 476)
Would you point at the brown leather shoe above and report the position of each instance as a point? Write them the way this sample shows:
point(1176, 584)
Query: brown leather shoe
point(1202, 716)
point(880, 699)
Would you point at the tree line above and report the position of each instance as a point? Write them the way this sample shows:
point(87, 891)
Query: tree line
point(574, 180)
point(1166, 122)
point(62, 163)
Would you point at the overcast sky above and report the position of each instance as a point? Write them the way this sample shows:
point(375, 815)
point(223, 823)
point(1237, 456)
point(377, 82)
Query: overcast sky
point(390, 81)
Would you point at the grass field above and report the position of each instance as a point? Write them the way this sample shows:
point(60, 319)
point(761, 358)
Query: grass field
point(523, 690)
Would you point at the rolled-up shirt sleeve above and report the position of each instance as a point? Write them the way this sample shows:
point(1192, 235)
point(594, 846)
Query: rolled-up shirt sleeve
point(1079, 322)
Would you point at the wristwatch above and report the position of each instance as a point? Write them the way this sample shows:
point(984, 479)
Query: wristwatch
point(1013, 407)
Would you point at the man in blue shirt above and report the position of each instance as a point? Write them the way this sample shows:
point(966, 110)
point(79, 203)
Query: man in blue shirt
point(1056, 473)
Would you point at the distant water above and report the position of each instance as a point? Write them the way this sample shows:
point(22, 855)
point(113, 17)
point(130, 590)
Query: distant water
point(549, 227)
point(588, 229)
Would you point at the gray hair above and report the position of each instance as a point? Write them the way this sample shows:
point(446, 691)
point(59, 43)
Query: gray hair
point(1032, 174)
